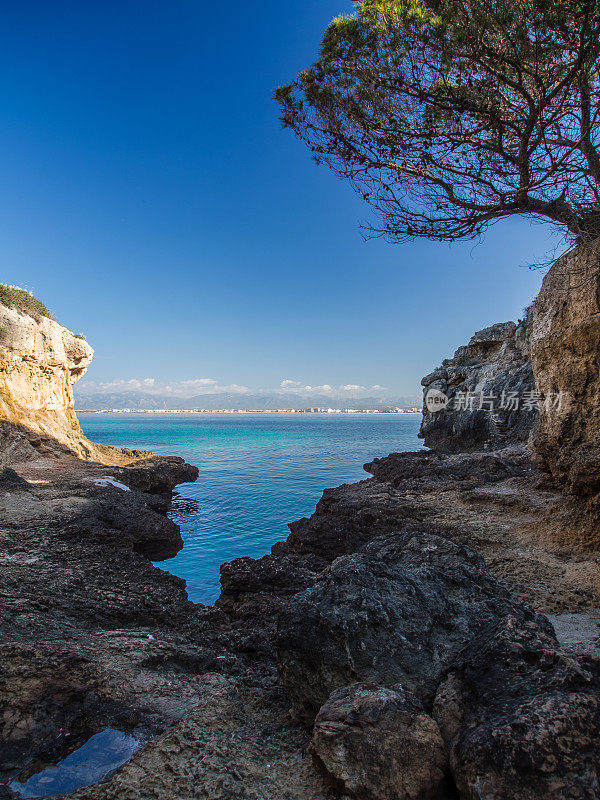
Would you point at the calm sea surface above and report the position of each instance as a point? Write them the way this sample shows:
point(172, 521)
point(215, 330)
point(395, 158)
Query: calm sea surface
point(257, 473)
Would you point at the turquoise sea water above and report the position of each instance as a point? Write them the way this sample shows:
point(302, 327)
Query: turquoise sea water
point(257, 473)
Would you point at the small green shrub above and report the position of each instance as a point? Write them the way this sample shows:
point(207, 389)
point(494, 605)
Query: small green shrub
point(79, 336)
point(524, 323)
point(23, 300)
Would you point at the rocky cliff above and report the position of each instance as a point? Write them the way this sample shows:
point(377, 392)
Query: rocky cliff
point(40, 361)
point(491, 391)
point(566, 361)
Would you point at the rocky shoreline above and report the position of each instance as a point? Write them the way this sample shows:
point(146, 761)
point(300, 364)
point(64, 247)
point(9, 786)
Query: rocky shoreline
point(95, 637)
point(429, 632)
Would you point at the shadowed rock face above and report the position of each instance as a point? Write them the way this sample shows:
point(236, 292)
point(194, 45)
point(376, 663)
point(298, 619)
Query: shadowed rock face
point(495, 363)
point(413, 628)
point(566, 358)
point(398, 611)
point(433, 468)
point(521, 719)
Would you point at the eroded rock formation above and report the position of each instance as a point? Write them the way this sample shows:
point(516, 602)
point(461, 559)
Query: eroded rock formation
point(482, 382)
point(379, 744)
point(392, 631)
point(40, 361)
point(396, 612)
point(566, 361)
point(74, 547)
point(521, 718)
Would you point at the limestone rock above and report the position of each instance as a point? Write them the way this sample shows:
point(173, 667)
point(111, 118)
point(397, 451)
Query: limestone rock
point(346, 518)
point(434, 468)
point(157, 475)
point(496, 364)
point(254, 591)
point(493, 335)
point(566, 361)
point(76, 591)
point(249, 584)
point(40, 361)
point(349, 516)
point(379, 744)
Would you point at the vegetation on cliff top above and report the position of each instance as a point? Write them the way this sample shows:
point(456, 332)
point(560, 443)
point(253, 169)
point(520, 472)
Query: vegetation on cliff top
point(447, 115)
point(23, 300)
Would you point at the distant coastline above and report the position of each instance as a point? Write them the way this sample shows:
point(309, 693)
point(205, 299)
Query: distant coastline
point(250, 411)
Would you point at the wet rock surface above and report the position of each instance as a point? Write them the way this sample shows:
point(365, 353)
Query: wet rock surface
point(237, 742)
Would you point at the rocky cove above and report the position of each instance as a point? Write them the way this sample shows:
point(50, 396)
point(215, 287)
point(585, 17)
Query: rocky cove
point(429, 632)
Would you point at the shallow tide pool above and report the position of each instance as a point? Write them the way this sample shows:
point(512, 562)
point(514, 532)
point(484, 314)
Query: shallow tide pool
point(92, 762)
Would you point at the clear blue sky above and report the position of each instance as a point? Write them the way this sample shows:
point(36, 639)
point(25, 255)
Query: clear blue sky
point(151, 198)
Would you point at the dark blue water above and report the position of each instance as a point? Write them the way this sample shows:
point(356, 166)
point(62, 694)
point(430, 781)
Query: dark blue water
point(257, 473)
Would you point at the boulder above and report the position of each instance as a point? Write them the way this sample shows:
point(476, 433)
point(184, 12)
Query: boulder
point(379, 744)
point(158, 474)
point(398, 611)
point(521, 719)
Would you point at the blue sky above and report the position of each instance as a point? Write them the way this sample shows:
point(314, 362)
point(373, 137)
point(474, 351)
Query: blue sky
point(151, 198)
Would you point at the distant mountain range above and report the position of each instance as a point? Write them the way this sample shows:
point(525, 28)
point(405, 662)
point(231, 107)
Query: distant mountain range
point(101, 401)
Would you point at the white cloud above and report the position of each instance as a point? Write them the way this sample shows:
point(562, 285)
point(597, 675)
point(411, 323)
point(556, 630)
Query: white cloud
point(346, 390)
point(290, 385)
point(203, 386)
point(352, 388)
